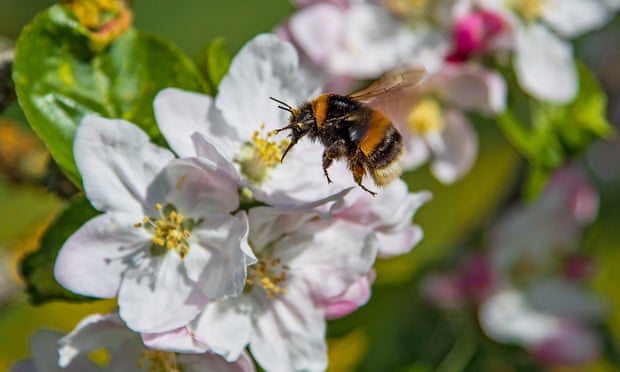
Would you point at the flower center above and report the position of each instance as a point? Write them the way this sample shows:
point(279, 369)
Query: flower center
point(159, 361)
point(268, 273)
point(531, 10)
point(170, 231)
point(260, 155)
point(407, 8)
point(426, 117)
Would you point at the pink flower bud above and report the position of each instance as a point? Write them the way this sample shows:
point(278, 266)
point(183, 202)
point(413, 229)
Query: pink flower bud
point(475, 33)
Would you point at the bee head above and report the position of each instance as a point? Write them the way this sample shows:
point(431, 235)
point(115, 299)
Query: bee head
point(300, 122)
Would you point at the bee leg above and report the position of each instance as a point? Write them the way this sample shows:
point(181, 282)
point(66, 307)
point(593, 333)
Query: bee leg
point(334, 151)
point(358, 170)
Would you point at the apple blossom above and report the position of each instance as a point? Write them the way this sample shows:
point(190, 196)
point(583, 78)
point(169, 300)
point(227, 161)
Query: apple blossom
point(305, 270)
point(543, 59)
point(54, 352)
point(236, 126)
point(430, 117)
point(166, 242)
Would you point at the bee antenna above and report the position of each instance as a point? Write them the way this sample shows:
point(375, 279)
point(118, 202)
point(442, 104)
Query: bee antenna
point(285, 106)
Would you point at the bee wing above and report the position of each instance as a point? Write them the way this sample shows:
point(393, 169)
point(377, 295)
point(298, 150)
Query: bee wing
point(389, 82)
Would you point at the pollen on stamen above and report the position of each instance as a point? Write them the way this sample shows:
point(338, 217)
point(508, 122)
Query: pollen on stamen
point(170, 231)
point(261, 154)
point(426, 117)
point(159, 361)
point(270, 275)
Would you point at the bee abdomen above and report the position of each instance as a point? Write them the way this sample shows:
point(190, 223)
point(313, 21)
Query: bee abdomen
point(385, 158)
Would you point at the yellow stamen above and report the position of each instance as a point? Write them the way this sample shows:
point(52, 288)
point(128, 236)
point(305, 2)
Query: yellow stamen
point(426, 117)
point(260, 155)
point(159, 361)
point(407, 8)
point(531, 10)
point(270, 275)
point(170, 231)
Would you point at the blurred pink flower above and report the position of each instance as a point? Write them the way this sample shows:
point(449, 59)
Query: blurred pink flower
point(431, 120)
point(478, 32)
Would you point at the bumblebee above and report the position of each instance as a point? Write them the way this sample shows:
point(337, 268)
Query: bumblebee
point(349, 128)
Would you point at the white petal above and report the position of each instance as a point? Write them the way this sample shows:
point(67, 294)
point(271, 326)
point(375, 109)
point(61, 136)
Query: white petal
point(506, 317)
point(211, 157)
point(456, 149)
point(571, 18)
point(265, 67)
point(373, 42)
point(395, 244)
point(94, 259)
point(45, 356)
point(289, 334)
point(330, 256)
point(225, 272)
point(416, 151)
point(180, 340)
point(318, 30)
point(179, 114)
point(544, 64)
point(117, 163)
point(196, 191)
point(93, 332)
point(159, 297)
point(225, 326)
point(567, 299)
point(471, 87)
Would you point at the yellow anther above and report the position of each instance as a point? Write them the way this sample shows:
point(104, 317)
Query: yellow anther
point(426, 117)
point(531, 10)
point(159, 361)
point(269, 274)
point(169, 231)
point(260, 155)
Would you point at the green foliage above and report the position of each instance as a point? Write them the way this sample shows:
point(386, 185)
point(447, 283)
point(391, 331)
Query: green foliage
point(214, 61)
point(59, 79)
point(37, 268)
point(548, 134)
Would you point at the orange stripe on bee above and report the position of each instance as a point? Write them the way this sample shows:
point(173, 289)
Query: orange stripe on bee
point(377, 126)
point(319, 108)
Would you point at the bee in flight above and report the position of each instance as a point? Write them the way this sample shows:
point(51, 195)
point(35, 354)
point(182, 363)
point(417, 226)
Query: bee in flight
point(349, 128)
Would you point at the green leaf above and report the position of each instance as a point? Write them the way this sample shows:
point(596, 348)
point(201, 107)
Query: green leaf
point(584, 119)
point(549, 134)
point(37, 268)
point(214, 62)
point(59, 79)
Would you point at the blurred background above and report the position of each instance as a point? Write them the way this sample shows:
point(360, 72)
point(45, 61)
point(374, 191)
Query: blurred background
point(400, 329)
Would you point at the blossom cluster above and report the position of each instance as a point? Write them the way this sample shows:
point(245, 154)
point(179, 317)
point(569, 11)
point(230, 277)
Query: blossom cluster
point(217, 245)
point(222, 255)
point(465, 45)
point(530, 285)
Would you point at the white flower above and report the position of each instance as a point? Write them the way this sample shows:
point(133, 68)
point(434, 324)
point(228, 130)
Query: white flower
point(389, 215)
point(361, 41)
point(430, 117)
point(281, 315)
point(54, 352)
point(305, 266)
point(166, 242)
point(543, 60)
point(235, 127)
point(549, 321)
